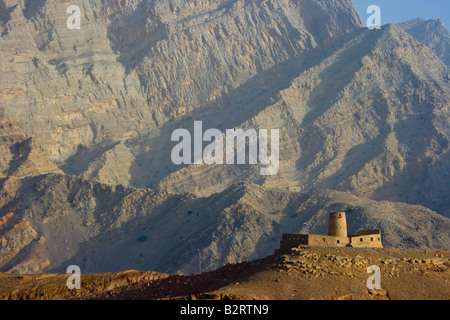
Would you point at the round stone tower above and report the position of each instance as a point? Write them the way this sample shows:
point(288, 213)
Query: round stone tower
point(337, 225)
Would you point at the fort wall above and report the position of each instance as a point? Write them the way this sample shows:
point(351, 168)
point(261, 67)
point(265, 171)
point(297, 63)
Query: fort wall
point(329, 241)
point(367, 240)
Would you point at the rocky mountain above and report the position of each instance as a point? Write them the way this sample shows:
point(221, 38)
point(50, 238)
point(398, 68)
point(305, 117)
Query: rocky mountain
point(59, 220)
point(86, 119)
point(371, 117)
point(134, 65)
point(431, 33)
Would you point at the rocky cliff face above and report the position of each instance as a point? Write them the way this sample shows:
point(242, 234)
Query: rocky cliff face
point(20, 156)
point(134, 65)
point(86, 118)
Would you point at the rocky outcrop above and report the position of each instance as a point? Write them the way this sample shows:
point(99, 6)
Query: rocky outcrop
point(21, 156)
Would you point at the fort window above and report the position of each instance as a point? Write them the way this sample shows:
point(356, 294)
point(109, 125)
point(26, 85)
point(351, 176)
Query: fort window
point(371, 239)
point(323, 239)
point(378, 238)
point(338, 241)
point(361, 239)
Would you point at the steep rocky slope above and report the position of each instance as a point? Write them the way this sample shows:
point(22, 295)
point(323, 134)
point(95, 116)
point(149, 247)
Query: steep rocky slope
point(20, 156)
point(431, 33)
point(136, 64)
point(372, 118)
point(363, 111)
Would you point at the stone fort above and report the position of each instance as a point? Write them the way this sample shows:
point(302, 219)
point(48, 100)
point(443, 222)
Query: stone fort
point(337, 236)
